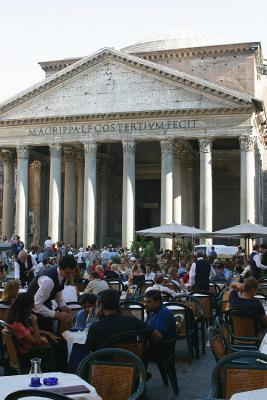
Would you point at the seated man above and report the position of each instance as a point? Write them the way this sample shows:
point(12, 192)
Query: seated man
point(110, 323)
point(242, 296)
point(95, 285)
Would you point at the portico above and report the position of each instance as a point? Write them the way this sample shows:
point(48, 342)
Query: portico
point(95, 140)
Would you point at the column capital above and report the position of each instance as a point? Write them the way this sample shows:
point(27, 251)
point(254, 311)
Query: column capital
point(69, 154)
point(23, 152)
point(55, 150)
point(128, 146)
point(8, 155)
point(205, 145)
point(247, 142)
point(90, 147)
point(166, 146)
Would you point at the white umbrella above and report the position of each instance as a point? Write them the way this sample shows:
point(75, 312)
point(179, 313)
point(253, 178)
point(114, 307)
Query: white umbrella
point(246, 231)
point(174, 230)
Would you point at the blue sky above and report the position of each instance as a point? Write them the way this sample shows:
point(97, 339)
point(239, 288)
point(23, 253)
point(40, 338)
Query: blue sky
point(35, 30)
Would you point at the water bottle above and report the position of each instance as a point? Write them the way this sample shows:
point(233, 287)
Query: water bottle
point(35, 372)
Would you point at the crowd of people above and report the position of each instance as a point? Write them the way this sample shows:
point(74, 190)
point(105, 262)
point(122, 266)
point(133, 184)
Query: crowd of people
point(52, 277)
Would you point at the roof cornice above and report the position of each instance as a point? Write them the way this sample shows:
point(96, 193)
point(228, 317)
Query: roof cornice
point(130, 115)
point(192, 82)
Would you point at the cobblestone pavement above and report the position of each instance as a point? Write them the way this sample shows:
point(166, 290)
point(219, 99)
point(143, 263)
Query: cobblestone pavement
point(193, 380)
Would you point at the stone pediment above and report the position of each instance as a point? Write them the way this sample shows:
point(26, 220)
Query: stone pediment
point(111, 82)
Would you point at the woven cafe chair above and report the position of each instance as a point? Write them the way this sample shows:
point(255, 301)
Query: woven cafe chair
point(207, 301)
point(113, 380)
point(35, 393)
point(143, 285)
point(134, 308)
point(196, 307)
point(186, 328)
point(214, 288)
point(238, 372)
point(117, 285)
point(223, 304)
point(134, 341)
point(217, 343)
point(244, 326)
point(75, 307)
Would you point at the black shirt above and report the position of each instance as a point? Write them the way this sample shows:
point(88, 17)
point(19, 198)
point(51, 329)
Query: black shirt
point(253, 304)
point(111, 325)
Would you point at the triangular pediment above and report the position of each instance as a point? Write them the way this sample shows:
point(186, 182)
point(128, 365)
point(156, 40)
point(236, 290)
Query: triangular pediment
point(112, 82)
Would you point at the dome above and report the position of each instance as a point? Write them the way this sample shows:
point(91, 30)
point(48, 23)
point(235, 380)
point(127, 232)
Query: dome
point(171, 41)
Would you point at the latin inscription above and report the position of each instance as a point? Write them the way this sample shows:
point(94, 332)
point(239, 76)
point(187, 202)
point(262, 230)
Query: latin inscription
point(118, 127)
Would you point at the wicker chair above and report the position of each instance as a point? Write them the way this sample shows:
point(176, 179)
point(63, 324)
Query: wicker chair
point(217, 343)
point(207, 301)
point(75, 307)
point(133, 341)
point(143, 285)
point(193, 303)
point(186, 328)
point(244, 327)
point(134, 308)
point(21, 394)
point(223, 304)
point(113, 379)
point(117, 285)
point(238, 372)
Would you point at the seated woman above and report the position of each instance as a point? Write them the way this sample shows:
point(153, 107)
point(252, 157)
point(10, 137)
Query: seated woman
point(31, 341)
point(10, 292)
point(136, 272)
point(87, 315)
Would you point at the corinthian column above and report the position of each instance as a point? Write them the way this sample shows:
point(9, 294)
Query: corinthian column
point(166, 187)
point(8, 193)
point(89, 213)
point(205, 195)
point(22, 193)
point(80, 182)
point(128, 193)
point(54, 224)
point(69, 221)
point(37, 200)
point(177, 183)
point(247, 179)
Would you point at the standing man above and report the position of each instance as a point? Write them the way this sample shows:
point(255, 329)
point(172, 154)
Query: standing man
point(259, 260)
point(200, 273)
point(48, 247)
point(24, 267)
point(48, 287)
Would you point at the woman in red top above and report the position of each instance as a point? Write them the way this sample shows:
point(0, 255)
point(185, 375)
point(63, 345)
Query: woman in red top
point(31, 341)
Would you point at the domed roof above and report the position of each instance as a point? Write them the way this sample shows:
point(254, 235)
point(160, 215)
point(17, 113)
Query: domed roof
point(171, 41)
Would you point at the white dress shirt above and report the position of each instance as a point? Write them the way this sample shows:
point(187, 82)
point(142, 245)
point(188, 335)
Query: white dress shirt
point(46, 286)
point(257, 260)
point(192, 272)
point(150, 276)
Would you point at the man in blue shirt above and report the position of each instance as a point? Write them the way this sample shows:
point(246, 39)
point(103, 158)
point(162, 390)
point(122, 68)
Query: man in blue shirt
point(161, 319)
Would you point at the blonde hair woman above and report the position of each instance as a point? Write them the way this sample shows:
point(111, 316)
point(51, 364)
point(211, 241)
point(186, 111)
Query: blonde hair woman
point(10, 292)
point(136, 271)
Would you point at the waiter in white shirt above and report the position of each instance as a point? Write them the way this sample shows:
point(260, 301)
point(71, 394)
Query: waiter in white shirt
point(49, 286)
point(24, 267)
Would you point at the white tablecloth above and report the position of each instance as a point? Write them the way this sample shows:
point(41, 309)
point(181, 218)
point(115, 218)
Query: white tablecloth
point(10, 384)
point(260, 394)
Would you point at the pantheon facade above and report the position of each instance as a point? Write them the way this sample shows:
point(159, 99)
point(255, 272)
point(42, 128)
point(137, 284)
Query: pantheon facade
point(168, 129)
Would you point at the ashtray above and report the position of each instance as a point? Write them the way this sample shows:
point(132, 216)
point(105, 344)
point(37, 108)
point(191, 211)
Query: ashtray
point(51, 381)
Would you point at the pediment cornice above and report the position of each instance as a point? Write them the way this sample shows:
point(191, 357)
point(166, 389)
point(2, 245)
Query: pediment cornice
point(229, 96)
point(130, 116)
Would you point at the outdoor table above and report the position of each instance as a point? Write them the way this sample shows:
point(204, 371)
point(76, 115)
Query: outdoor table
point(10, 384)
point(259, 394)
